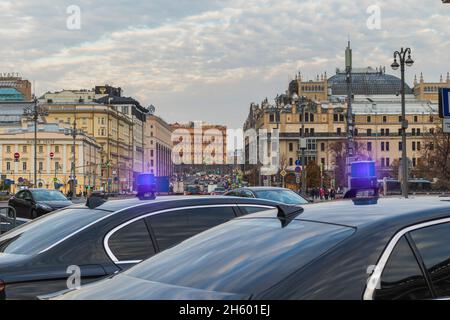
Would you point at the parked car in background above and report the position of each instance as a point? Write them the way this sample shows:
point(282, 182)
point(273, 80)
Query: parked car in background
point(5, 195)
point(396, 249)
point(106, 239)
point(193, 190)
point(282, 195)
point(33, 203)
point(218, 191)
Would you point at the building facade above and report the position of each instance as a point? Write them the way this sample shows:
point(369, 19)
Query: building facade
point(158, 147)
point(14, 88)
point(200, 144)
point(376, 110)
point(51, 171)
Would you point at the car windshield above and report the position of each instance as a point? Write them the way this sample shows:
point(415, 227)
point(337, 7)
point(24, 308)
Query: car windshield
point(242, 256)
point(48, 195)
point(37, 235)
point(283, 196)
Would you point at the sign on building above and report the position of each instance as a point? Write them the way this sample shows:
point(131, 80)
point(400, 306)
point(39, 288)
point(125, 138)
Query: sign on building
point(444, 108)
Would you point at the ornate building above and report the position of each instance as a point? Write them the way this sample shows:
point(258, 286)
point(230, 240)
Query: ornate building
point(376, 109)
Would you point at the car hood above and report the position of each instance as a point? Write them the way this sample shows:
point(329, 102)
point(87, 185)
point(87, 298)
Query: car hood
point(124, 287)
point(56, 204)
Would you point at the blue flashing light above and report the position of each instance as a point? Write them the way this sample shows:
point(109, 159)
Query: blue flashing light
point(146, 179)
point(363, 169)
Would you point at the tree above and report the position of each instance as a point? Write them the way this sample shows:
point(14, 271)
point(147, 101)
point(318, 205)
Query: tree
point(312, 175)
point(435, 162)
point(339, 151)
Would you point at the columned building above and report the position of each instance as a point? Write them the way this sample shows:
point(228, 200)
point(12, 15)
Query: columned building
point(51, 171)
point(158, 147)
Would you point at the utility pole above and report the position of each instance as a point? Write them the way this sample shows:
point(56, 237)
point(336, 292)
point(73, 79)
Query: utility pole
point(32, 113)
point(350, 124)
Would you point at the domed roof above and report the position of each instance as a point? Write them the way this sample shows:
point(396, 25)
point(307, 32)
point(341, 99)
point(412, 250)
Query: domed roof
point(367, 82)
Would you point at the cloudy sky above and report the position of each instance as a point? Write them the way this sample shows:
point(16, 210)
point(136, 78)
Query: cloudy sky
point(209, 59)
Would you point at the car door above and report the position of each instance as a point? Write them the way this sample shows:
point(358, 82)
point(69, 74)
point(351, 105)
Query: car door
point(27, 204)
point(18, 203)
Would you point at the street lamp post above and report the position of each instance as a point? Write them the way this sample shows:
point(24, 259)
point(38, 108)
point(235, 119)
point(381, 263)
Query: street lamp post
point(32, 113)
point(301, 102)
point(73, 132)
point(404, 56)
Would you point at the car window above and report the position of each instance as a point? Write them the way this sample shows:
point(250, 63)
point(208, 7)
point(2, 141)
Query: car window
point(433, 244)
point(402, 278)
point(132, 242)
point(169, 228)
point(246, 194)
point(242, 256)
point(283, 196)
point(202, 219)
point(48, 195)
point(173, 227)
point(41, 233)
point(249, 209)
point(20, 194)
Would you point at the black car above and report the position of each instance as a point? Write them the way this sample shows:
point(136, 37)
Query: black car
point(283, 195)
point(35, 258)
point(33, 203)
point(396, 249)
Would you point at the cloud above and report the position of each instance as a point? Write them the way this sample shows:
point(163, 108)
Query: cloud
point(207, 60)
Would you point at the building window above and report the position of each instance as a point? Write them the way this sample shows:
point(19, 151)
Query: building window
point(414, 162)
point(291, 162)
point(369, 132)
point(272, 118)
point(56, 149)
point(382, 146)
point(416, 119)
point(291, 147)
point(418, 131)
point(383, 163)
point(413, 131)
point(24, 166)
point(8, 149)
point(311, 117)
point(322, 147)
point(322, 161)
point(41, 166)
point(388, 162)
point(387, 132)
point(432, 130)
point(355, 132)
point(338, 131)
point(335, 117)
point(400, 146)
point(56, 165)
point(24, 149)
point(8, 166)
point(400, 119)
point(387, 146)
point(384, 119)
point(369, 119)
point(382, 132)
point(431, 119)
point(369, 146)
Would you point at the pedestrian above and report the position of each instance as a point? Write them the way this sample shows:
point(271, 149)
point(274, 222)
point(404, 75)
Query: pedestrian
point(332, 194)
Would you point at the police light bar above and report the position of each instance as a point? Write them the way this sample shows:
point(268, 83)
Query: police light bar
point(363, 183)
point(146, 186)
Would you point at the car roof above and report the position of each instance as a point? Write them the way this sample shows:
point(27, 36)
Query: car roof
point(116, 205)
point(259, 188)
point(396, 212)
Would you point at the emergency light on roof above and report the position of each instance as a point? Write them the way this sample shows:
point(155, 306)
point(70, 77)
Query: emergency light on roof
point(363, 183)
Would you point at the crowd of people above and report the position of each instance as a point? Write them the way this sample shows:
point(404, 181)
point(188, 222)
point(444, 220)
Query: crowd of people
point(323, 193)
